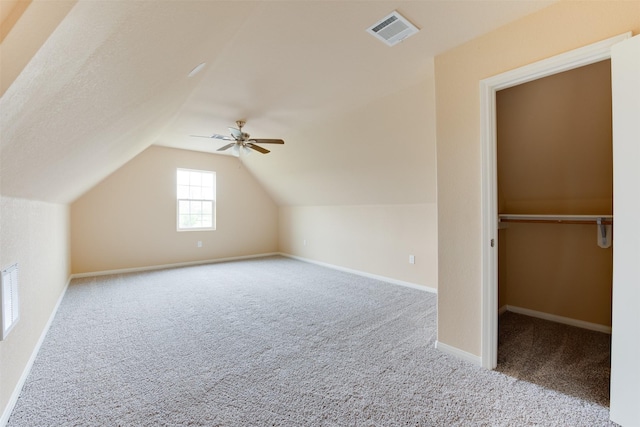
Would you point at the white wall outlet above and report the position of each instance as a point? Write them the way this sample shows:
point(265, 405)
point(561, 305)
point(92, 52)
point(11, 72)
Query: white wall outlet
point(199, 243)
point(304, 242)
point(412, 259)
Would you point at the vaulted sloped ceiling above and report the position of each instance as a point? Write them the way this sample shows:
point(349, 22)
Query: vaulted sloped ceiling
point(112, 79)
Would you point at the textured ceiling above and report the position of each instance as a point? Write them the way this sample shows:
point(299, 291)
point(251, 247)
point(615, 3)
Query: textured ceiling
point(111, 79)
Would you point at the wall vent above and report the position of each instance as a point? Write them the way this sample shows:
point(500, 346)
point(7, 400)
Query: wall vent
point(9, 310)
point(392, 29)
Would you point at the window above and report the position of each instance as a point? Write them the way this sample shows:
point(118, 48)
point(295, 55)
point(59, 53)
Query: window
point(9, 310)
point(196, 199)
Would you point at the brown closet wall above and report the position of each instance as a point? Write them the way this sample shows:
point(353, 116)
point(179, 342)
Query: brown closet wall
point(555, 157)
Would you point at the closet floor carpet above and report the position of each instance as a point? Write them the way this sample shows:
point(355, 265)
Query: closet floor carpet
point(564, 358)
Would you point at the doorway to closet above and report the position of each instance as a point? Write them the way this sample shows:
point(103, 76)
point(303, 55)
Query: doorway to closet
point(624, 51)
point(555, 205)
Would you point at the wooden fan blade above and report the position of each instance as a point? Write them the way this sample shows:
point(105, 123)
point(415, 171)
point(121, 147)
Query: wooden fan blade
point(267, 141)
point(214, 136)
point(257, 148)
point(226, 146)
point(237, 135)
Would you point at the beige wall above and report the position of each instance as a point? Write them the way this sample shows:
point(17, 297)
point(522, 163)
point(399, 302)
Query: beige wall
point(557, 269)
point(372, 239)
point(379, 206)
point(555, 157)
point(554, 30)
point(129, 219)
point(34, 235)
point(382, 152)
point(26, 25)
point(554, 146)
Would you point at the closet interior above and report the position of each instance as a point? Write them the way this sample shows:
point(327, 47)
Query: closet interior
point(555, 205)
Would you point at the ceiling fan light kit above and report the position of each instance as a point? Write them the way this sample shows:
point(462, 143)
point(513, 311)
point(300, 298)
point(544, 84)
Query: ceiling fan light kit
point(242, 141)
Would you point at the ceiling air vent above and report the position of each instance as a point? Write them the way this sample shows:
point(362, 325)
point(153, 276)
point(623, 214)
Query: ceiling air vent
point(392, 29)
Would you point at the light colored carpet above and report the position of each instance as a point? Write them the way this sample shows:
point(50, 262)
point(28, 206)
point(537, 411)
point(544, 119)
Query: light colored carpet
point(267, 342)
point(571, 360)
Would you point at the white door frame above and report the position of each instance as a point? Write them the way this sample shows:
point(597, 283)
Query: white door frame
point(567, 61)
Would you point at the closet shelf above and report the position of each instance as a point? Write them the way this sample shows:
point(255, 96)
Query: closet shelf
point(557, 219)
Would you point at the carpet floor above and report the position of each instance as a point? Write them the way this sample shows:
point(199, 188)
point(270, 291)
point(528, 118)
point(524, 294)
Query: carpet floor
point(267, 342)
point(570, 360)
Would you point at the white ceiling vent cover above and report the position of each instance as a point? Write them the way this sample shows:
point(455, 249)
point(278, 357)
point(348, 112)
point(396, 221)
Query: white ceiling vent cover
point(393, 29)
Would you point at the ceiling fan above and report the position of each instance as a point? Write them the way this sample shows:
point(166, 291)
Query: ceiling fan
point(242, 140)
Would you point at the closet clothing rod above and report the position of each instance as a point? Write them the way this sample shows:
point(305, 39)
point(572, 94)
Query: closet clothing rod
point(558, 219)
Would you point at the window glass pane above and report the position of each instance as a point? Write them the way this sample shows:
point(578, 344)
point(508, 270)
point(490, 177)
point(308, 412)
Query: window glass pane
point(183, 206)
point(207, 180)
point(184, 221)
point(195, 178)
point(183, 177)
point(207, 193)
point(196, 207)
point(207, 207)
point(207, 221)
point(195, 193)
point(183, 192)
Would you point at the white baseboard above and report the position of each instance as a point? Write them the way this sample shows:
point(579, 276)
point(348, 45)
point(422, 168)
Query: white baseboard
point(460, 354)
point(558, 319)
point(364, 274)
point(164, 266)
point(13, 399)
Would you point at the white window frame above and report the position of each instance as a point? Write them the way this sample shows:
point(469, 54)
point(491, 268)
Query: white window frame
point(194, 193)
point(9, 306)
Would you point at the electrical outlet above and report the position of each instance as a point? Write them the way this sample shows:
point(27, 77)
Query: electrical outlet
point(304, 242)
point(412, 259)
point(199, 243)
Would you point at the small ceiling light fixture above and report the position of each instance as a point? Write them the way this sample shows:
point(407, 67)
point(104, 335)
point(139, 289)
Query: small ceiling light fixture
point(196, 70)
point(392, 29)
